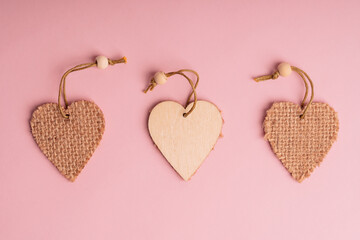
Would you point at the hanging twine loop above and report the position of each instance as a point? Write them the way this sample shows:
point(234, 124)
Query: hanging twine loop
point(161, 78)
point(284, 70)
point(101, 62)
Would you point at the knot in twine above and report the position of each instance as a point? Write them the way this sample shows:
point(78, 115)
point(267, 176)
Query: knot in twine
point(275, 75)
point(121, 60)
point(151, 86)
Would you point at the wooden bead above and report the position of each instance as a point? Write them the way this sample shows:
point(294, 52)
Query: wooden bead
point(284, 69)
point(102, 62)
point(160, 78)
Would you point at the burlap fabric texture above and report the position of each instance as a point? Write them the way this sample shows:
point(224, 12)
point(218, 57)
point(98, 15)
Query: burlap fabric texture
point(301, 144)
point(68, 143)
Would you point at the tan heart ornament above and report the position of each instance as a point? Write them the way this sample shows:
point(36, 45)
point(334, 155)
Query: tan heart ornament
point(300, 136)
point(184, 136)
point(68, 136)
point(68, 142)
point(185, 142)
point(301, 144)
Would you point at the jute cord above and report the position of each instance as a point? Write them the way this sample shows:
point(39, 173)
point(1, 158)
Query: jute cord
point(181, 72)
point(304, 76)
point(74, 69)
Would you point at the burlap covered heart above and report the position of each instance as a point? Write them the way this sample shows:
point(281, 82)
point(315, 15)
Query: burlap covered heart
point(301, 144)
point(185, 142)
point(68, 143)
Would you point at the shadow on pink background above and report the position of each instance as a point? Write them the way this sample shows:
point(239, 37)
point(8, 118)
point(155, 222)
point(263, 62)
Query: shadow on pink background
point(128, 190)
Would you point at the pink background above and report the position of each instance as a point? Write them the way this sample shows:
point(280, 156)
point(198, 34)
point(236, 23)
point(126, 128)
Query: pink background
point(128, 190)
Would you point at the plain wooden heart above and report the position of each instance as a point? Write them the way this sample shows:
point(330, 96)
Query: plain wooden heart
point(185, 142)
point(301, 144)
point(68, 143)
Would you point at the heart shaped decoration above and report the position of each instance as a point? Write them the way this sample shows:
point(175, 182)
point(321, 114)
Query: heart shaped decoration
point(185, 142)
point(68, 143)
point(301, 144)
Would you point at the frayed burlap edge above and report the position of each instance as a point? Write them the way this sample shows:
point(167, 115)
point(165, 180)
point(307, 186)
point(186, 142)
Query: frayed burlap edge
point(267, 125)
point(85, 115)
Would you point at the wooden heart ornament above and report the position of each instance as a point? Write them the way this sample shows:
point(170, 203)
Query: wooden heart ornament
point(68, 142)
point(185, 142)
point(184, 136)
point(300, 136)
point(301, 144)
